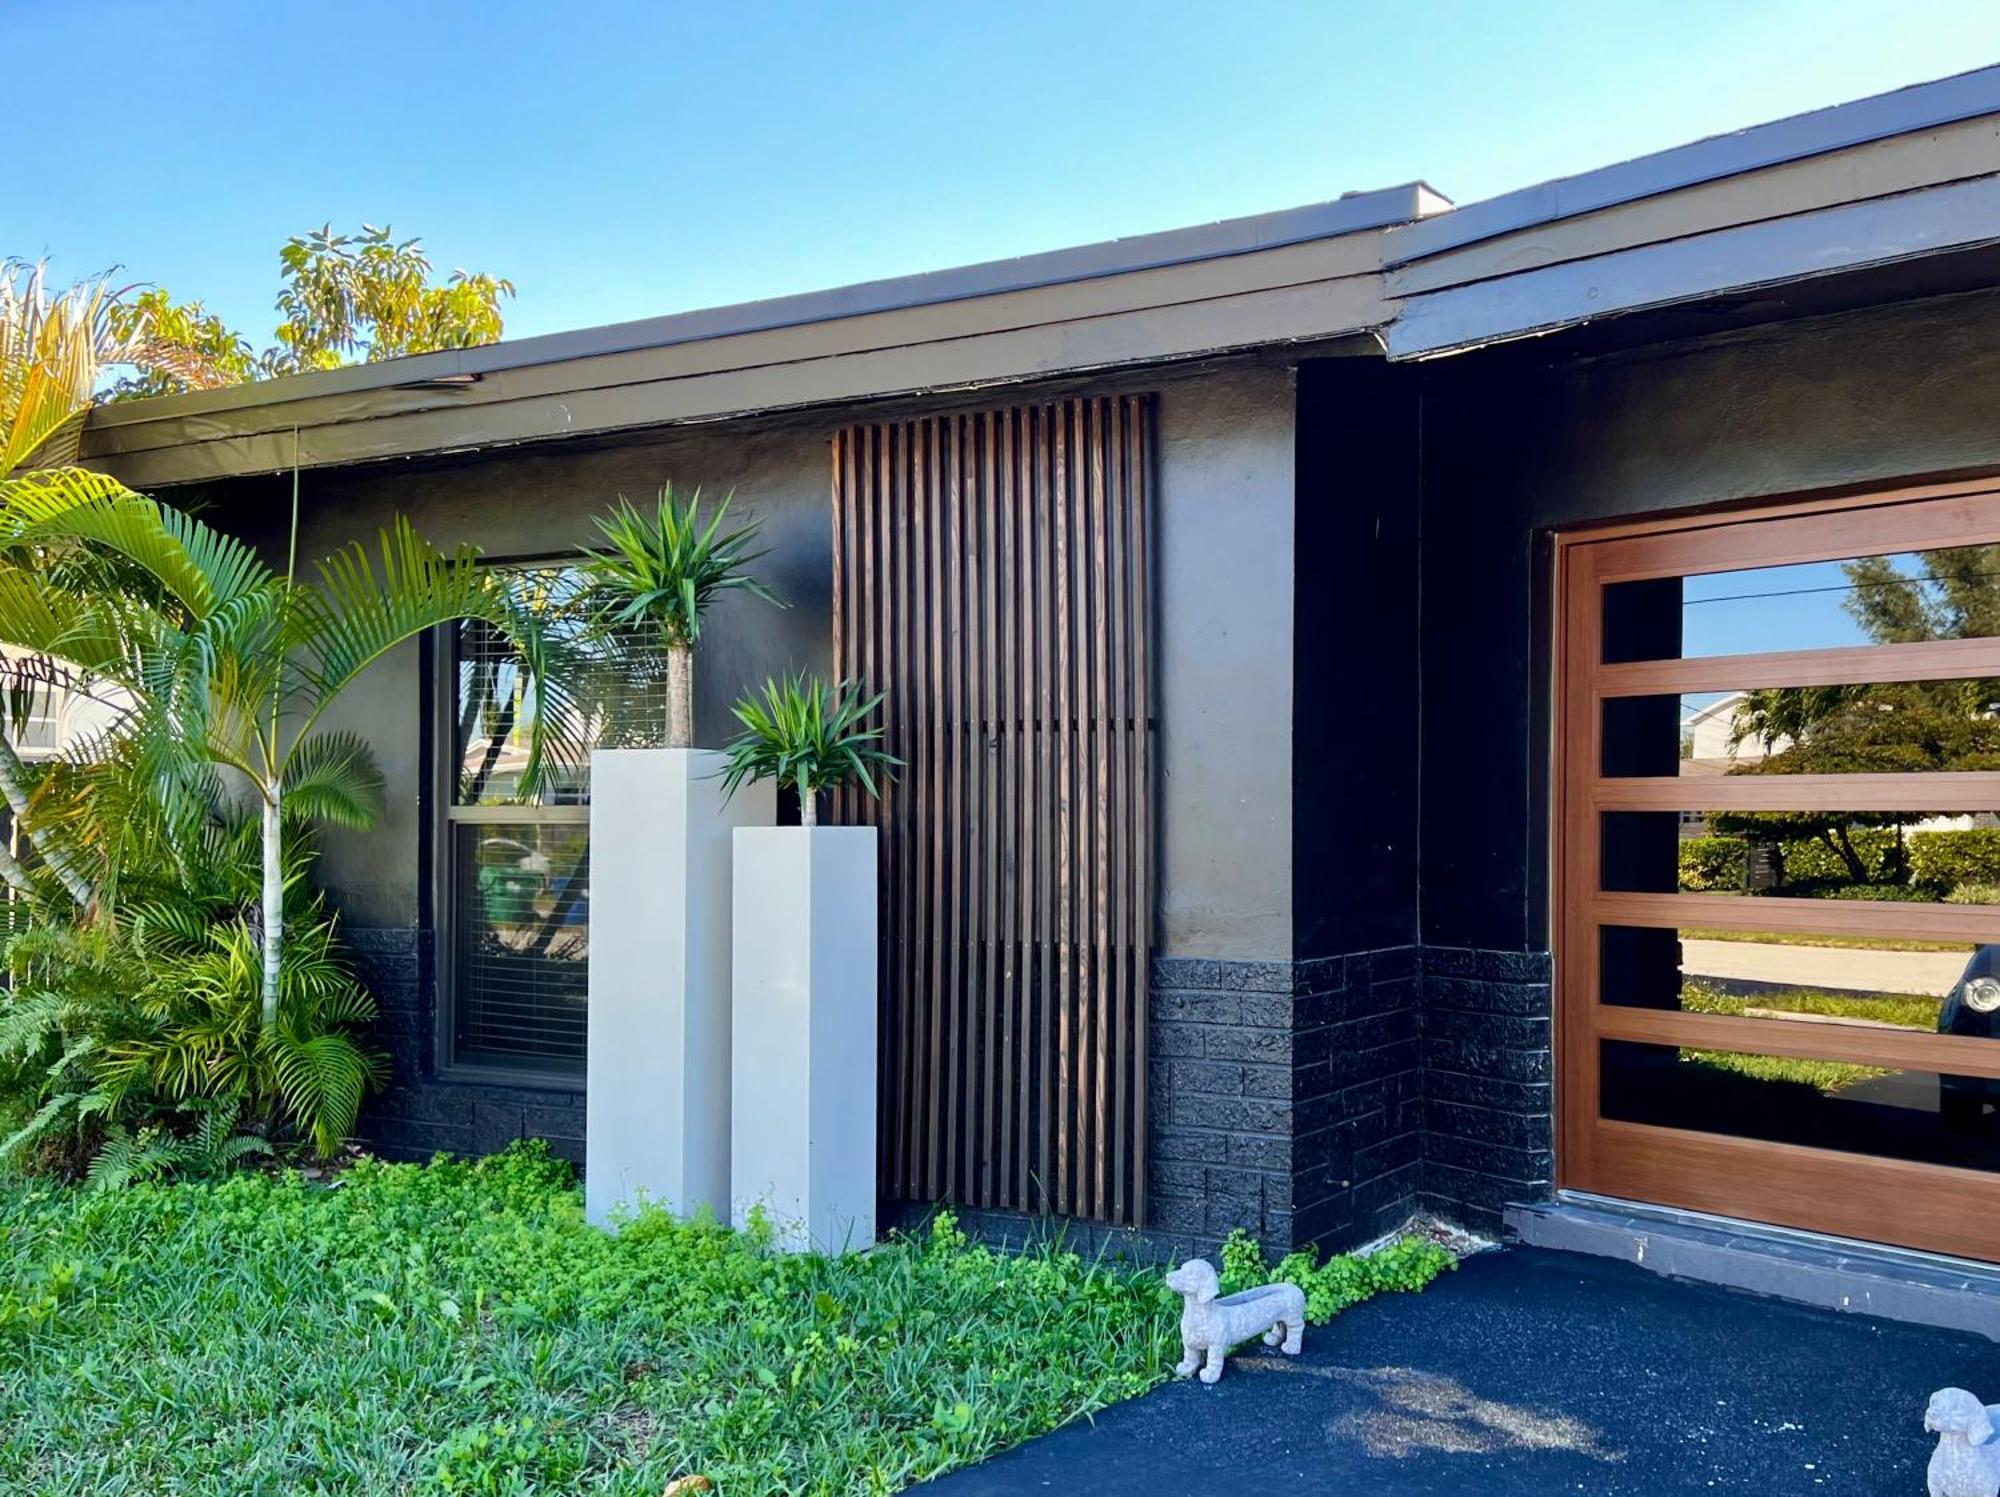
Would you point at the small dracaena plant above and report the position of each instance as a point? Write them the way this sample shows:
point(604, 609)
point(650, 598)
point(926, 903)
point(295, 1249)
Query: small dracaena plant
point(657, 572)
point(801, 731)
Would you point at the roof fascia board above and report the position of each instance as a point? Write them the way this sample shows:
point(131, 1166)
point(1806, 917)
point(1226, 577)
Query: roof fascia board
point(1922, 106)
point(1315, 311)
point(1353, 213)
point(1883, 168)
point(1856, 235)
point(1317, 261)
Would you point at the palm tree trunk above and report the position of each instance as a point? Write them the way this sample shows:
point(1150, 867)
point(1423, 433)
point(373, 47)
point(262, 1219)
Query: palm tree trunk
point(14, 788)
point(680, 696)
point(274, 905)
point(808, 804)
point(13, 874)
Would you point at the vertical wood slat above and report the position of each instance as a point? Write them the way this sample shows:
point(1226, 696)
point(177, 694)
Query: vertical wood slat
point(992, 574)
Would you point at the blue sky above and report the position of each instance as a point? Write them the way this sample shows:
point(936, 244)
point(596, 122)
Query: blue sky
point(619, 161)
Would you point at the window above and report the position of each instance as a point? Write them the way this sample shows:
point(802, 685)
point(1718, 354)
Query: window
point(514, 906)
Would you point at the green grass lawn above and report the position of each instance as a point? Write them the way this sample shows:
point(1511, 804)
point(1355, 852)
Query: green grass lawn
point(457, 1328)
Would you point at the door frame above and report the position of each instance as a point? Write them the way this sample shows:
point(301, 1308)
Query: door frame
point(1935, 1207)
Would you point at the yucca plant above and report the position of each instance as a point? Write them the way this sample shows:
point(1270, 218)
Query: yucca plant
point(802, 732)
point(656, 574)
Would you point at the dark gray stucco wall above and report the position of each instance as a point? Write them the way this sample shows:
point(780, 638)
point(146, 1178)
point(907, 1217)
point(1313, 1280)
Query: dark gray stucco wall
point(1223, 621)
point(1521, 441)
point(1222, 636)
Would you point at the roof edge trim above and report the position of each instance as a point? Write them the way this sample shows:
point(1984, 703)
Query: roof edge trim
point(1920, 106)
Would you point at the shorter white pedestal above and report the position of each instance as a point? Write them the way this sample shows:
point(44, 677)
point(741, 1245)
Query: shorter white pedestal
point(802, 1099)
point(657, 1105)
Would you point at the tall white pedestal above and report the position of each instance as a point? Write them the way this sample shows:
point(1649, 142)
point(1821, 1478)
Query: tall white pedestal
point(803, 1095)
point(657, 1107)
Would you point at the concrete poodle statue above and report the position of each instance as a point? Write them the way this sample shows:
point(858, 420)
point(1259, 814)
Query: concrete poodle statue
point(1966, 1462)
point(1210, 1326)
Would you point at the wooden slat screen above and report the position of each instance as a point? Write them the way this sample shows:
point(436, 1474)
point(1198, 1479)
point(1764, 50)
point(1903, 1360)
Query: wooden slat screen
point(992, 575)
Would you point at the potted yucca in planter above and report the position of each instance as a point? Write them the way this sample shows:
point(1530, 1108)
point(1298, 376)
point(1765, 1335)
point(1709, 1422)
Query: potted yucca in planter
point(657, 1093)
point(802, 1110)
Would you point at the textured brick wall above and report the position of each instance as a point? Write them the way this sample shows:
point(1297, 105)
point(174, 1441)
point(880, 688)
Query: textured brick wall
point(1220, 1093)
point(1488, 1082)
point(1320, 1101)
point(415, 1116)
point(1358, 1094)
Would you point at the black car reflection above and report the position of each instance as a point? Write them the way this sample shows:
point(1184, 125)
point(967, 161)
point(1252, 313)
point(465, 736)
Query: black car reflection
point(1972, 1007)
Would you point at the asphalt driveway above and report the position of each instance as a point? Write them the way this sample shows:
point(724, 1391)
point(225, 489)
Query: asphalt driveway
point(1530, 1372)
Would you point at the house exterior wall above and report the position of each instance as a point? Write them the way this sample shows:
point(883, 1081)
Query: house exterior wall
point(1521, 441)
point(1224, 512)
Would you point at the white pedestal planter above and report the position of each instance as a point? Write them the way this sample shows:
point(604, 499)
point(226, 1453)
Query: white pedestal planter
point(657, 1105)
point(803, 1096)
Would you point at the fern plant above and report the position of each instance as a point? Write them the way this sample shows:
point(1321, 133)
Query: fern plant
point(802, 732)
point(657, 572)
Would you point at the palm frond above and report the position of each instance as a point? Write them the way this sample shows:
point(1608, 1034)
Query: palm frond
point(333, 778)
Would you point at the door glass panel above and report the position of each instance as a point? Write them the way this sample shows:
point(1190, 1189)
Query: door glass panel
point(1795, 979)
point(1903, 857)
point(1876, 1110)
point(1892, 727)
point(1897, 598)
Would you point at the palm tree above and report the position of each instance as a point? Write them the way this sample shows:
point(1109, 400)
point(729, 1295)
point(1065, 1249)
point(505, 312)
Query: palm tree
point(232, 665)
point(53, 351)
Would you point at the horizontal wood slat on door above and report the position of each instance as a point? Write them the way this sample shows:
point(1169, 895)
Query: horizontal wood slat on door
point(1847, 917)
point(1924, 793)
point(992, 574)
point(1846, 665)
point(1858, 1044)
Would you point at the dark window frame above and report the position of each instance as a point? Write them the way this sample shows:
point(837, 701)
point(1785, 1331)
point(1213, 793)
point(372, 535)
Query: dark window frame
point(446, 816)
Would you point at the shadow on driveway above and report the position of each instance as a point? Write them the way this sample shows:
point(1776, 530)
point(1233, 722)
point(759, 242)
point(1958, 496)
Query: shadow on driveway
point(1530, 1372)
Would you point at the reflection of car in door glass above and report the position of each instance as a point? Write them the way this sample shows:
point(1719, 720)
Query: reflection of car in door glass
point(1972, 1007)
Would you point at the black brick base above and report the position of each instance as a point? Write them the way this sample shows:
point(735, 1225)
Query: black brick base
point(1305, 1102)
point(417, 1116)
point(1488, 1083)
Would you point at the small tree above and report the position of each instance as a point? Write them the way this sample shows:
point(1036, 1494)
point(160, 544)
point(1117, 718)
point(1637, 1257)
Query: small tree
point(658, 572)
point(805, 733)
point(233, 666)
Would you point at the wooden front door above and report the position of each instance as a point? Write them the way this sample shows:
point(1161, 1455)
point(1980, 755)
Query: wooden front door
point(1777, 868)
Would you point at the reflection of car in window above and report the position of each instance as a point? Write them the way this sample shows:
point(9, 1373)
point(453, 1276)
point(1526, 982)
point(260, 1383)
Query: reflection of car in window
point(511, 874)
point(1972, 1008)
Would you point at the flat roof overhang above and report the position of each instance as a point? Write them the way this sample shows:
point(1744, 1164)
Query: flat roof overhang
point(1837, 199)
point(1309, 273)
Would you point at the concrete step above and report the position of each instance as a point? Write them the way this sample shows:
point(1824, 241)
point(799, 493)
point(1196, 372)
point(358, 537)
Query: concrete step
point(1804, 1267)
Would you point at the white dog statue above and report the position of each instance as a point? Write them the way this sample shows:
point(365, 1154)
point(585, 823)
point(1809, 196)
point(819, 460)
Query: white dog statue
point(1966, 1462)
point(1210, 1326)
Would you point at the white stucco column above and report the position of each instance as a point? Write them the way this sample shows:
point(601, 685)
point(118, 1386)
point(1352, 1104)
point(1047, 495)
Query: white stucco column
point(803, 1095)
point(659, 1019)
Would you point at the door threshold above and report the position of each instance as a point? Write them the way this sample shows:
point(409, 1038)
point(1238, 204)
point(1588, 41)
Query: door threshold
point(1808, 1268)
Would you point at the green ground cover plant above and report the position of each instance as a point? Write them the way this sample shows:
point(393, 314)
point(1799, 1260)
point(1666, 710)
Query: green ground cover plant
point(458, 1328)
point(1407, 1264)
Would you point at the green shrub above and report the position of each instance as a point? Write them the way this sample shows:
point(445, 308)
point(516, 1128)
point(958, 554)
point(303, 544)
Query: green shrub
point(1974, 894)
point(1709, 864)
point(1944, 860)
point(1407, 1264)
point(1808, 860)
